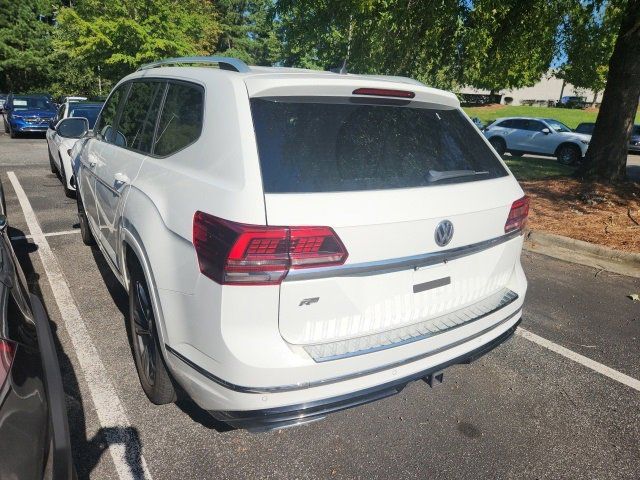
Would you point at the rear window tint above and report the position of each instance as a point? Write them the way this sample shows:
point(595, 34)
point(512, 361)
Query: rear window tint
point(181, 120)
point(343, 144)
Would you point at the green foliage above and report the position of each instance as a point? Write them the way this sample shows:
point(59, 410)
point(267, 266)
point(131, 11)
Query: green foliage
point(25, 45)
point(510, 43)
point(118, 36)
point(248, 31)
point(589, 34)
point(569, 117)
point(400, 37)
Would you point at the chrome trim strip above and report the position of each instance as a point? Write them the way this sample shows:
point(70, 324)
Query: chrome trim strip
point(397, 264)
point(328, 381)
point(507, 297)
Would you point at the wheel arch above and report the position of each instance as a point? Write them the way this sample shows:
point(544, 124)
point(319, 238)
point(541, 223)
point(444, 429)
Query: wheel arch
point(132, 249)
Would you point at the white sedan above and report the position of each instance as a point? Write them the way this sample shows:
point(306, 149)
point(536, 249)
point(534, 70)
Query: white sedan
point(59, 147)
point(538, 136)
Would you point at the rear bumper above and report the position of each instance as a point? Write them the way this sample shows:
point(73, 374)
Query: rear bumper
point(269, 419)
point(61, 443)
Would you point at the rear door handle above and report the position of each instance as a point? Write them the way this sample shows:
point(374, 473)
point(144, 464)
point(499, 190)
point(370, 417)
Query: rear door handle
point(92, 163)
point(121, 179)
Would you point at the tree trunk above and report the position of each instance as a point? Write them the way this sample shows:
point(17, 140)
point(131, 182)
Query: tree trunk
point(606, 159)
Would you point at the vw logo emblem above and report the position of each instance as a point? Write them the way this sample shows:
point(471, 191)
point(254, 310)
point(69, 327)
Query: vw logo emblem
point(444, 233)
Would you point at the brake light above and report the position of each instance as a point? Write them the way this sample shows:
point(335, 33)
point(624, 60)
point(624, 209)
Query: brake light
point(7, 353)
point(518, 214)
point(384, 92)
point(241, 254)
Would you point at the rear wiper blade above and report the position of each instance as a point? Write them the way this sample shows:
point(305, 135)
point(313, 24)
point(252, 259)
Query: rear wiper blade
point(436, 175)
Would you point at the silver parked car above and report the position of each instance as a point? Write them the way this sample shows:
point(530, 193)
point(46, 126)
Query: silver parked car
point(539, 136)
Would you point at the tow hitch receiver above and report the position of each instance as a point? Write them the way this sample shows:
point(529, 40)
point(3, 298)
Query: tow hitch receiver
point(434, 379)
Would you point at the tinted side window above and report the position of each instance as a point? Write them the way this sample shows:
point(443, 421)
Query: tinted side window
point(519, 124)
point(505, 124)
point(104, 126)
point(181, 119)
point(138, 118)
point(535, 126)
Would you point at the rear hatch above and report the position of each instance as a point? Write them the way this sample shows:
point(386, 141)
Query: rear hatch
point(399, 180)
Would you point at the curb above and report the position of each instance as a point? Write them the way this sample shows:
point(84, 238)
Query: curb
point(584, 253)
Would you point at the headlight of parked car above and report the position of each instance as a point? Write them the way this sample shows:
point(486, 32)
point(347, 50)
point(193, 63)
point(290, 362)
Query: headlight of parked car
point(17, 117)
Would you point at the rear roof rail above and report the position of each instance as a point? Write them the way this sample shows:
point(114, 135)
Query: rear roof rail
point(224, 63)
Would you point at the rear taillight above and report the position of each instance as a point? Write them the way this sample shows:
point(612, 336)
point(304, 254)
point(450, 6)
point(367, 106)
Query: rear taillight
point(241, 254)
point(7, 353)
point(518, 214)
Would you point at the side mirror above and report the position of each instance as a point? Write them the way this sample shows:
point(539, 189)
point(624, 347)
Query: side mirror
point(546, 131)
point(73, 127)
point(3, 222)
point(52, 124)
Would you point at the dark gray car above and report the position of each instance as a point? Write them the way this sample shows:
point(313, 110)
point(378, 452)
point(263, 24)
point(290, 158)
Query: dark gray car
point(634, 143)
point(34, 432)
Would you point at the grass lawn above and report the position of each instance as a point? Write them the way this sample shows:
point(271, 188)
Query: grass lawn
point(536, 168)
point(569, 117)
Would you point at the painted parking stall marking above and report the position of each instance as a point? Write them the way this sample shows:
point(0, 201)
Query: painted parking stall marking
point(111, 414)
point(50, 234)
point(581, 359)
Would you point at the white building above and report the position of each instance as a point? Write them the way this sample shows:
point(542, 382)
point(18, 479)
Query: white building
point(546, 92)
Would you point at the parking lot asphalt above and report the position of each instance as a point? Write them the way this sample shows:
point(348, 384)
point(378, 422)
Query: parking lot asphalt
point(523, 411)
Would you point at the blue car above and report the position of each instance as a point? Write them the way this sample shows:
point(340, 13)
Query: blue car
point(27, 113)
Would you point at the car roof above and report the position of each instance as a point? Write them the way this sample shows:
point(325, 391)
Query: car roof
point(268, 77)
point(87, 104)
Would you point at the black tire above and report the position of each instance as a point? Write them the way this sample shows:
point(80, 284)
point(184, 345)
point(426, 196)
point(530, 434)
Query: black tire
point(85, 230)
point(12, 134)
point(63, 177)
point(52, 164)
point(568, 154)
point(498, 145)
point(516, 153)
point(147, 354)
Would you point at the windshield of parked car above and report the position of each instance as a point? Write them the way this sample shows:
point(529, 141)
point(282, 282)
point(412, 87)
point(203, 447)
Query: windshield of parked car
point(90, 112)
point(313, 144)
point(585, 128)
point(22, 102)
point(558, 126)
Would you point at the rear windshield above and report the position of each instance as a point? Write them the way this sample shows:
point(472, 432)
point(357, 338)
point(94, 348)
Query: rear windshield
point(90, 112)
point(328, 144)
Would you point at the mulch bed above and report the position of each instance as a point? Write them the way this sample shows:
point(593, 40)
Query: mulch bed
point(602, 214)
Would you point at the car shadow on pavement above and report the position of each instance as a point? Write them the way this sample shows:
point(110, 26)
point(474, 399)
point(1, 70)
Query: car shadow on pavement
point(86, 451)
point(121, 300)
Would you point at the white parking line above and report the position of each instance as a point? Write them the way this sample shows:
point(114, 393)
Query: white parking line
point(50, 234)
point(123, 445)
point(581, 359)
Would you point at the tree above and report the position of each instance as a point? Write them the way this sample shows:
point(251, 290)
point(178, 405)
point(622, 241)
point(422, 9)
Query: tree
point(509, 43)
point(248, 31)
point(606, 157)
point(490, 44)
point(25, 45)
point(589, 33)
point(118, 36)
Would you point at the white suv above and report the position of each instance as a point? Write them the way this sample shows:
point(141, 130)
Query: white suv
point(539, 136)
point(298, 242)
